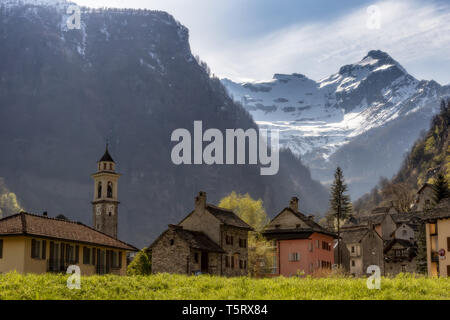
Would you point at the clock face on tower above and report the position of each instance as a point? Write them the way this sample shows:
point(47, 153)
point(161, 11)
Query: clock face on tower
point(98, 210)
point(110, 210)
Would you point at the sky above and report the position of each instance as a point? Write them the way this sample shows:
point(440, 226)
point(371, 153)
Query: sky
point(250, 40)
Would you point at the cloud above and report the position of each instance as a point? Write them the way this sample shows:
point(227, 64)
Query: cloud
point(8, 201)
point(416, 34)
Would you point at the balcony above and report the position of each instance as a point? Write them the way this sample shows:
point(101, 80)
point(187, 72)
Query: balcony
point(434, 256)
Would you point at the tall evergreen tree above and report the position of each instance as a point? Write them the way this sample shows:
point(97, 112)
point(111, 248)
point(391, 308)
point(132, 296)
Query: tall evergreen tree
point(421, 265)
point(440, 189)
point(340, 204)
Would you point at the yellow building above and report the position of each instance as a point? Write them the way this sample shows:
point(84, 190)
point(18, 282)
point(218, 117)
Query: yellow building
point(37, 244)
point(438, 240)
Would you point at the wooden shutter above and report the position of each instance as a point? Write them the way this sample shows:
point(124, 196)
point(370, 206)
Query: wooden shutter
point(120, 259)
point(33, 248)
point(1, 249)
point(94, 252)
point(77, 254)
point(44, 249)
point(448, 271)
point(448, 246)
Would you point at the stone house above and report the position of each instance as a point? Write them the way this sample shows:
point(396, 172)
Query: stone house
point(209, 240)
point(424, 198)
point(363, 247)
point(299, 243)
point(400, 256)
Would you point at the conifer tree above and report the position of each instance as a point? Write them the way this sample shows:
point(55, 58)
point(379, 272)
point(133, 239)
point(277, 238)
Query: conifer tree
point(440, 189)
point(340, 204)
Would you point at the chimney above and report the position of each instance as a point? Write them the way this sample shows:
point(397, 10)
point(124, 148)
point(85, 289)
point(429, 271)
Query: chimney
point(200, 201)
point(311, 217)
point(293, 204)
point(45, 214)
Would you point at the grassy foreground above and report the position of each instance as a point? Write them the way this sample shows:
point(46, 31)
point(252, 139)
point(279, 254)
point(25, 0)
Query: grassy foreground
point(164, 286)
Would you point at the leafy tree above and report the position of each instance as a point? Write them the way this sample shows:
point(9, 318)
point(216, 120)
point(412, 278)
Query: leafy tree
point(141, 264)
point(340, 204)
point(248, 209)
point(253, 213)
point(440, 188)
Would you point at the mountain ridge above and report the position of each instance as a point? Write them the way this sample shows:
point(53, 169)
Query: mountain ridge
point(127, 76)
point(318, 119)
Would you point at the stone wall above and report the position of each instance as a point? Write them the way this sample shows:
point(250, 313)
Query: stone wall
point(235, 251)
point(170, 257)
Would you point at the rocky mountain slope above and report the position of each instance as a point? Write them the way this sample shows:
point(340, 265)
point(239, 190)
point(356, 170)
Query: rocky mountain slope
point(127, 76)
point(363, 118)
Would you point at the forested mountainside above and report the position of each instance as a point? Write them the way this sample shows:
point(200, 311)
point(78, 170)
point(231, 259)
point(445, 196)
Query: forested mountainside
point(128, 76)
point(429, 156)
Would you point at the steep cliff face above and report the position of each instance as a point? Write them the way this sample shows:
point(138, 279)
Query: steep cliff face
point(127, 76)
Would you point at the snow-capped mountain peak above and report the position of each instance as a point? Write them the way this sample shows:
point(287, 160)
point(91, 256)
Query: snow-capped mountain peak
point(316, 119)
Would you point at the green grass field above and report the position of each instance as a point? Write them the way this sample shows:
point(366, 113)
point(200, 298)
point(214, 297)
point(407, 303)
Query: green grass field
point(51, 286)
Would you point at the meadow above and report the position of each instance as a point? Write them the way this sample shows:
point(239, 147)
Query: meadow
point(163, 287)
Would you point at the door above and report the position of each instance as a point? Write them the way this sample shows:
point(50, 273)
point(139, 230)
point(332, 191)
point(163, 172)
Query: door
point(204, 262)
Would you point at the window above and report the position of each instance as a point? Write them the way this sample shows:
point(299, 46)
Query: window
point(72, 253)
point(110, 190)
point(317, 244)
point(404, 232)
point(433, 229)
point(172, 242)
point(448, 247)
point(87, 255)
point(35, 249)
point(310, 245)
point(353, 249)
point(232, 262)
point(294, 256)
point(1, 249)
point(227, 261)
point(403, 268)
point(353, 263)
point(243, 243)
point(99, 190)
point(196, 257)
point(110, 166)
point(44, 249)
point(104, 166)
point(116, 259)
point(229, 240)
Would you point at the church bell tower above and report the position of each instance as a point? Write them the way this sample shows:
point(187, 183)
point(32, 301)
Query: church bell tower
point(105, 204)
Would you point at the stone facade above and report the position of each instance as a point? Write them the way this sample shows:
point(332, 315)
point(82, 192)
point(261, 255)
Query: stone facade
point(236, 251)
point(209, 240)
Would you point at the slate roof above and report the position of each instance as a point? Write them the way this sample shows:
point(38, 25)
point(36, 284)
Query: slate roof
point(300, 232)
point(353, 236)
point(195, 239)
point(402, 242)
point(28, 224)
point(227, 217)
point(106, 157)
point(440, 211)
